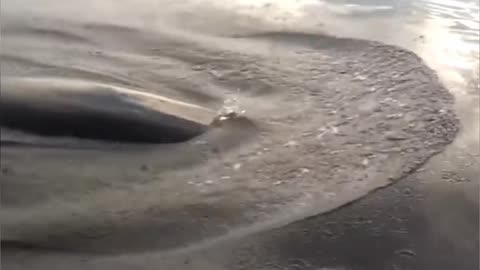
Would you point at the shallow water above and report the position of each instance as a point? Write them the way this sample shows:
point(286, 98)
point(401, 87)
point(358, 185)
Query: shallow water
point(118, 47)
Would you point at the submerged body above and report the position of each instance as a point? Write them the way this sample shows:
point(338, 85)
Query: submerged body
point(69, 108)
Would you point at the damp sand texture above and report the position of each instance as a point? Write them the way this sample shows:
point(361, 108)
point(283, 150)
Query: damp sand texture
point(326, 121)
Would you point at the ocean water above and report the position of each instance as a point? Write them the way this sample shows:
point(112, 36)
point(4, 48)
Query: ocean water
point(284, 158)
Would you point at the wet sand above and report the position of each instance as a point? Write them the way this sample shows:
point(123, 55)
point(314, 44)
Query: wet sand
point(220, 206)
